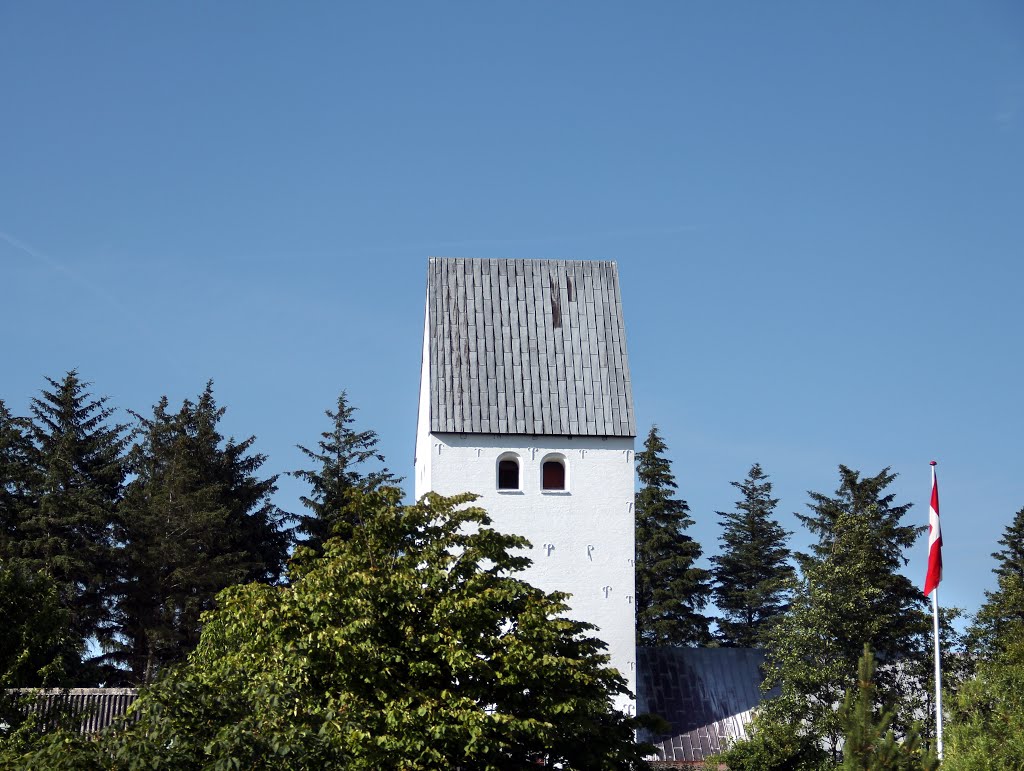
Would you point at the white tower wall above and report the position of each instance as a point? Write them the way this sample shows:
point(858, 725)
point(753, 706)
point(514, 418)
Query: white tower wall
point(582, 538)
point(527, 359)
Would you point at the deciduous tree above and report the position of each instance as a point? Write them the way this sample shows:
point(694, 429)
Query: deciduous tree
point(410, 646)
point(36, 646)
point(37, 649)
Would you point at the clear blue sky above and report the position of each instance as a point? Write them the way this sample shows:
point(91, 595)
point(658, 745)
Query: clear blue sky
point(817, 210)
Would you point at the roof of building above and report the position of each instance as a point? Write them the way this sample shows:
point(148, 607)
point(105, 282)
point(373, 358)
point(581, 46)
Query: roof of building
point(707, 695)
point(527, 347)
point(92, 709)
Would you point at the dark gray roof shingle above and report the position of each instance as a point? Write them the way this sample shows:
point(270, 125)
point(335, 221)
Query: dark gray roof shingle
point(707, 695)
point(527, 347)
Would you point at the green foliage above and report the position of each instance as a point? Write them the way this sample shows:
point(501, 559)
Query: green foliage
point(850, 591)
point(753, 578)
point(984, 730)
point(341, 456)
point(670, 590)
point(985, 727)
point(774, 746)
point(36, 646)
point(957, 667)
point(195, 519)
point(63, 523)
point(1004, 608)
point(16, 475)
point(409, 646)
point(870, 743)
point(65, 750)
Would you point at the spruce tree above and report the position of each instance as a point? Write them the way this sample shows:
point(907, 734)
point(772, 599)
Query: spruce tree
point(670, 589)
point(850, 593)
point(196, 518)
point(862, 527)
point(753, 577)
point(985, 723)
point(78, 470)
point(16, 475)
point(870, 744)
point(341, 458)
point(1004, 608)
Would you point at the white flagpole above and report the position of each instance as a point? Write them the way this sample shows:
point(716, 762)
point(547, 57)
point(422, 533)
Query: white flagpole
point(938, 672)
point(934, 510)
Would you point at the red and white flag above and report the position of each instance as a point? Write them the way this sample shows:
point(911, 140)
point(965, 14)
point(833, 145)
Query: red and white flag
point(931, 581)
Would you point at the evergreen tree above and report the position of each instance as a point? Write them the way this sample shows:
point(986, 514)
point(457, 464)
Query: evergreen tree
point(984, 730)
point(753, 578)
point(1003, 608)
point(77, 474)
point(195, 520)
point(16, 475)
point(341, 456)
point(850, 593)
point(861, 526)
point(670, 590)
point(869, 743)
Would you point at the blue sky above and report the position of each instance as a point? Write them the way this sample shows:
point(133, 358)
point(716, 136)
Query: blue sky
point(817, 211)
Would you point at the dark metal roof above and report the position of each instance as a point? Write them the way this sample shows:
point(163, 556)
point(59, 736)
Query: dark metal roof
point(92, 708)
point(527, 347)
point(707, 695)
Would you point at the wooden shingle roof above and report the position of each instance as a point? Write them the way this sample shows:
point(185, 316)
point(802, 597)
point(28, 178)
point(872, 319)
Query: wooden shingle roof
point(527, 347)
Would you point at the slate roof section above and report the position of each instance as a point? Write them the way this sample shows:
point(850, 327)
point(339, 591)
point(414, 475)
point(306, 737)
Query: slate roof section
point(527, 347)
point(707, 695)
point(93, 709)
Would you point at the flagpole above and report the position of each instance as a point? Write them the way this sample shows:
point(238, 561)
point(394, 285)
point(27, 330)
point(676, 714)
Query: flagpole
point(938, 672)
point(931, 585)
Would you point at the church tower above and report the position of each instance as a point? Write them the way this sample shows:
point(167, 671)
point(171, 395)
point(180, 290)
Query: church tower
point(525, 400)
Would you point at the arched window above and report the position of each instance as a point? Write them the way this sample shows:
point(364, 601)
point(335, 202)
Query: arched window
point(508, 472)
point(552, 474)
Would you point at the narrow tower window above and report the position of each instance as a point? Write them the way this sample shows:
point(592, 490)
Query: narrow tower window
point(508, 474)
point(553, 475)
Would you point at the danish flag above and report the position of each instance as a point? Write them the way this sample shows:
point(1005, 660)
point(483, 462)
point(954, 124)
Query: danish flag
point(931, 580)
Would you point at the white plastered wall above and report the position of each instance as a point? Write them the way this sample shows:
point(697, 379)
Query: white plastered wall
point(421, 461)
point(582, 538)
